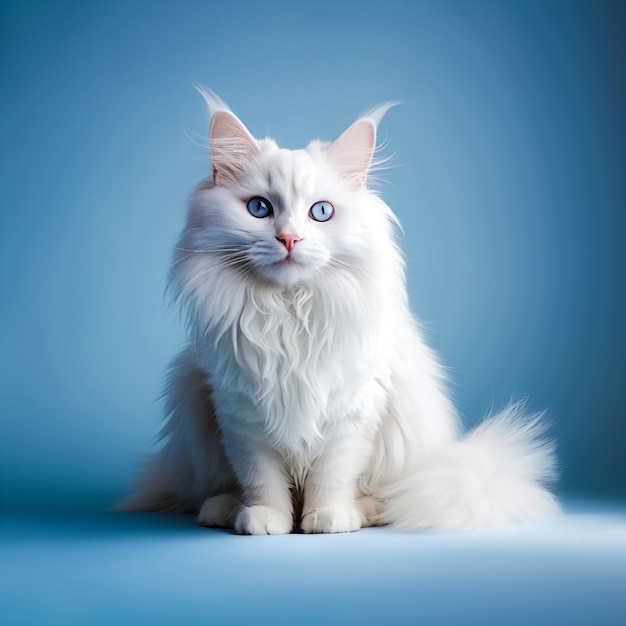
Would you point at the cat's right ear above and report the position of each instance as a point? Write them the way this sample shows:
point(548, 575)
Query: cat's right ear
point(232, 146)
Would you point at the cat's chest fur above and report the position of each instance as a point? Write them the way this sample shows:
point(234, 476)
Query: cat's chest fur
point(292, 363)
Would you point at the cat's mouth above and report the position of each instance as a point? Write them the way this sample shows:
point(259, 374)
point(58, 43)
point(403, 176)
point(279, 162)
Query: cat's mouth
point(290, 269)
point(287, 261)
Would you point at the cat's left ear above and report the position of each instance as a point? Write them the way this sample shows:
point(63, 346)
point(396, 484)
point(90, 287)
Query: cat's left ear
point(352, 151)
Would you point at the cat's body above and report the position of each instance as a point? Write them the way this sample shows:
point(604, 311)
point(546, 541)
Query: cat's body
point(307, 396)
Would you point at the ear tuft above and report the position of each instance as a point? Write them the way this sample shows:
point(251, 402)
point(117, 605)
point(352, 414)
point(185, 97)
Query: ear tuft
point(213, 102)
point(377, 113)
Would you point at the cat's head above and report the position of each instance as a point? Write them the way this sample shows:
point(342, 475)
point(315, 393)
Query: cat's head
point(286, 217)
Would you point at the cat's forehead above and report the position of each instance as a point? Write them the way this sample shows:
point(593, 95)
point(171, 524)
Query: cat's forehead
point(285, 169)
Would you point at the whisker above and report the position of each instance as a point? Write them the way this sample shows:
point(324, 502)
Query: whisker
point(233, 248)
point(218, 251)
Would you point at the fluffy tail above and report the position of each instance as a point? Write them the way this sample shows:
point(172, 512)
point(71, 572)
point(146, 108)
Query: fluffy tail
point(497, 474)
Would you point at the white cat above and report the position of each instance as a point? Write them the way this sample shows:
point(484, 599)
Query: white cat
point(307, 397)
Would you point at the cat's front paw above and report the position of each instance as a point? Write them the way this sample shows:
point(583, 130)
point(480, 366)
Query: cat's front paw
point(262, 520)
point(332, 519)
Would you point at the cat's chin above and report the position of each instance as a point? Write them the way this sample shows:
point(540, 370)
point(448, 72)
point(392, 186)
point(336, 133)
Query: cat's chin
point(289, 272)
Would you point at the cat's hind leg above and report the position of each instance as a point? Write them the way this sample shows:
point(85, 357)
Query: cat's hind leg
point(370, 508)
point(191, 464)
point(220, 511)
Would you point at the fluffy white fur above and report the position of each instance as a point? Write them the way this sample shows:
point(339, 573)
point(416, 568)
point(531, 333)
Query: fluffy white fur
point(306, 396)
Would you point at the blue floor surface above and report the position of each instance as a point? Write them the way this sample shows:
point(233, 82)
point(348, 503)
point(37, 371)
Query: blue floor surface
point(114, 568)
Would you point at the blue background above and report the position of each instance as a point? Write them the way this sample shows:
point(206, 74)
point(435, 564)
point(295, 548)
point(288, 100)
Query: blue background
point(510, 182)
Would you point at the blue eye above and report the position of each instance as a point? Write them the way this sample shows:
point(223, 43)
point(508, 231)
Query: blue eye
point(322, 211)
point(260, 207)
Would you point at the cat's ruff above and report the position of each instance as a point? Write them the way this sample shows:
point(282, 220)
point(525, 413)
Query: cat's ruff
point(307, 397)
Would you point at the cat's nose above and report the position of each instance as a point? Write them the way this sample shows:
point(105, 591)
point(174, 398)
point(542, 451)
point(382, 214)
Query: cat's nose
point(289, 241)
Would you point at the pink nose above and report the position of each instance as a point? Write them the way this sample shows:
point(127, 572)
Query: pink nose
point(289, 241)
